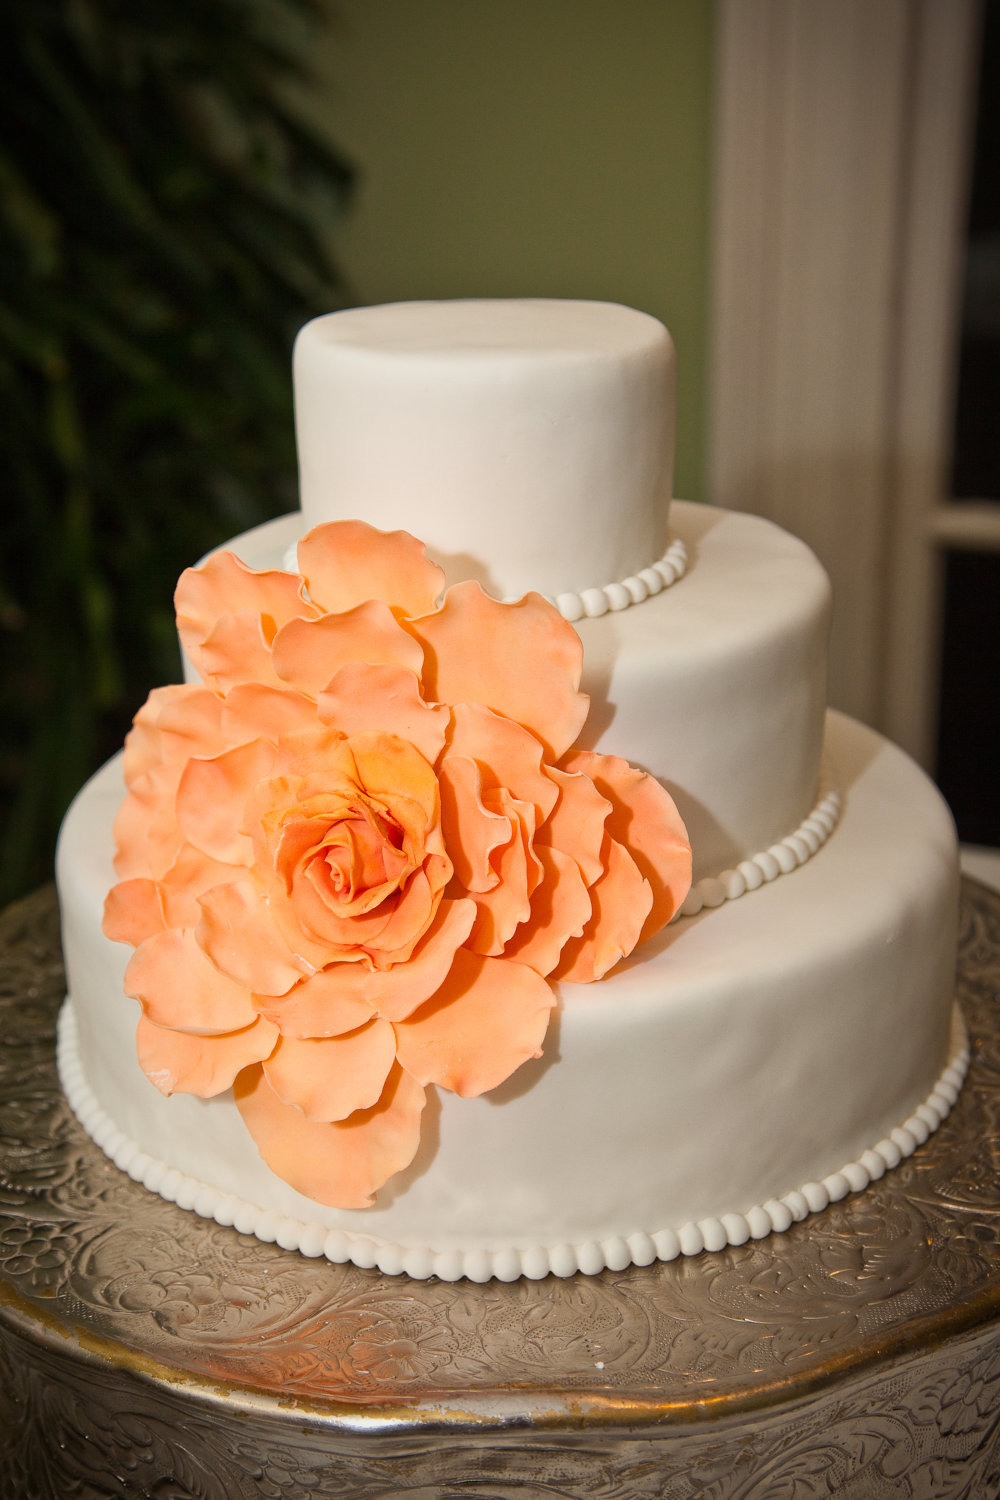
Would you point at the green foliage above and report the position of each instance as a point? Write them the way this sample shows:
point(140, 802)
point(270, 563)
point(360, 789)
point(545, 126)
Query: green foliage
point(164, 224)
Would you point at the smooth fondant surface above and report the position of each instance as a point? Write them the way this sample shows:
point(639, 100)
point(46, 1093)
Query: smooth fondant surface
point(529, 443)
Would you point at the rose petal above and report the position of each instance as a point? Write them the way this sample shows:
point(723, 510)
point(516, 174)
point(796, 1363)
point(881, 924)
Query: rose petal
point(471, 830)
point(353, 864)
point(507, 755)
point(252, 710)
point(576, 825)
point(304, 834)
point(178, 1063)
point(239, 934)
point(189, 877)
point(307, 654)
point(329, 1078)
point(304, 910)
point(323, 768)
point(645, 819)
point(223, 585)
point(388, 935)
point(291, 921)
point(345, 995)
point(398, 777)
point(133, 911)
point(502, 908)
point(321, 754)
point(191, 724)
point(414, 913)
point(145, 829)
point(211, 798)
point(362, 696)
point(347, 562)
point(488, 1017)
point(342, 1163)
point(236, 652)
point(522, 660)
point(398, 991)
point(178, 987)
point(560, 909)
point(370, 771)
point(173, 723)
point(325, 1004)
point(621, 902)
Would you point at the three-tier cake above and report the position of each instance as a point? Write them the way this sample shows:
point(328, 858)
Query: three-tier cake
point(408, 919)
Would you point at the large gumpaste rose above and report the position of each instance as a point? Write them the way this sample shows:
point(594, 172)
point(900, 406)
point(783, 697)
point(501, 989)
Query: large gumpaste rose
point(353, 860)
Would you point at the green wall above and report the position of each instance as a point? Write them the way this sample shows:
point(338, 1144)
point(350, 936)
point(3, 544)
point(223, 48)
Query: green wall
point(531, 148)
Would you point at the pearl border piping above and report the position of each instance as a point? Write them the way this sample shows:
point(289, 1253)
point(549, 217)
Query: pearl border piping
point(592, 603)
point(508, 1263)
point(780, 859)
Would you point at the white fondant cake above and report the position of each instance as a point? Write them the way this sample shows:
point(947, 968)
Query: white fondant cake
point(758, 1057)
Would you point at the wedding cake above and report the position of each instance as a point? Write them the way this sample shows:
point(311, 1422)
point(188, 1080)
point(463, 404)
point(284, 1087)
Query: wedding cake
point(498, 896)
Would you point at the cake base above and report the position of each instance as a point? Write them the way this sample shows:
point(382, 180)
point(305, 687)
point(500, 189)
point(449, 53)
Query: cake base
point(745, 1067)
point(144, 1351)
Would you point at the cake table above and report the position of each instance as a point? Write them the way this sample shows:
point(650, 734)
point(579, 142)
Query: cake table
point(146, 1352)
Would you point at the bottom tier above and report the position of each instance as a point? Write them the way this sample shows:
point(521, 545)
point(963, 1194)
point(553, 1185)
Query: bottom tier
point(754, 1062)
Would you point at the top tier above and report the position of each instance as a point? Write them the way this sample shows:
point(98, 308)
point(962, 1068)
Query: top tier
point(530, 443)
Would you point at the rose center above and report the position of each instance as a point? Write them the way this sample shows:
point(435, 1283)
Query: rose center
point(359, 862)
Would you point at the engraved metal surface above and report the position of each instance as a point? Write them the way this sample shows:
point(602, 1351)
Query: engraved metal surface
point(144, 1351)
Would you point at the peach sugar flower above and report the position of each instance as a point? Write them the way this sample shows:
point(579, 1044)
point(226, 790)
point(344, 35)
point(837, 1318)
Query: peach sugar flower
point(353, 860)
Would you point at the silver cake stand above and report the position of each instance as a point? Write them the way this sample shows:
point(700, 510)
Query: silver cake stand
point(145, 1352)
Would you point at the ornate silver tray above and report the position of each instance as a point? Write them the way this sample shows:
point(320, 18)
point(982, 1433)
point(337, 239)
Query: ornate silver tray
point(145, 1352)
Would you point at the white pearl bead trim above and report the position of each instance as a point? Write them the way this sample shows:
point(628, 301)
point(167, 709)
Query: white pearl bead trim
point(760, 869)
point(591, 603)
point(505, 1263)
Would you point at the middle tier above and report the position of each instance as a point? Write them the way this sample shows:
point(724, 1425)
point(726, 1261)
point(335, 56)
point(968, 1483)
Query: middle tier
point(717, 685)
